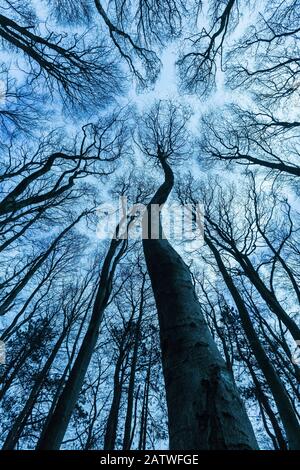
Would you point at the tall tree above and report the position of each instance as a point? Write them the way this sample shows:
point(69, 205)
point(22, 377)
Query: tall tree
point(204, 407)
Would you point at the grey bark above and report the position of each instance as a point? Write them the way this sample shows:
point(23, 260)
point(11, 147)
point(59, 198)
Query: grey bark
point(204, 407)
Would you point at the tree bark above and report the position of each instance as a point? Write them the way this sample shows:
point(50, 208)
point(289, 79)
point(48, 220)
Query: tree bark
point(204, 407)
point(130, 399)
point(281, 398)
point(58, 423)
point(19, 423)
point(113, 417)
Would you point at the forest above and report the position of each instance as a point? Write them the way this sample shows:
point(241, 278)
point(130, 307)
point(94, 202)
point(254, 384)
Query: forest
point(116, 332)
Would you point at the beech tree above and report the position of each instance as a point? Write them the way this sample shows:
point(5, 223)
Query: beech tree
point(196, 378)
point(252, 138)
point(123, 330)
point(220, 211)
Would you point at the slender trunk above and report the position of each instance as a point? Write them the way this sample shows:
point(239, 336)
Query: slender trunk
point(144, 416)
point(7, 381)
point(58, 423)
point(293, 369)
point(62, 381)
point(134, 416)
point(36, 264)
point(278, 440)
point(113, 417)
point(287, 415)
point(278, 257)
point(204, 407)
point(130, 399)
point(20, 422)
point(266, 294)
point(263, 399)
point(16, 367)
point(22, 231)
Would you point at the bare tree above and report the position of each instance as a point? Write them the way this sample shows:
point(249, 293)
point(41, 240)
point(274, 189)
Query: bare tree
point(199, 64)
point(252, 138)
point(273, 76)
point(219, 225)
point(196, 377)
point(78, 71)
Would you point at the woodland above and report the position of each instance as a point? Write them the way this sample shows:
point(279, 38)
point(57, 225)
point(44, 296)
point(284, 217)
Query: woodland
point(144, 343)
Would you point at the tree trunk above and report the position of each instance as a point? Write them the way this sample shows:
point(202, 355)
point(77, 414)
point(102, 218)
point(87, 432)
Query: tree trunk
point(281, 398)
point(264, 401)
point(144, 414)
point(113, 417)
point(266, 294)
point(19, 423)
point(63, 378)
point(58, 423)
point(204, 407)
point(130, 399)
point(17, 366)
point(35, 266)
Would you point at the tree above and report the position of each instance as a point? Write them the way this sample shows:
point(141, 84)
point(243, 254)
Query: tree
point(219, 223)
point(196, 378)
point(198, 66)
point(284, 405)
point(252, 138)
point(57, 425)
point(274, 74)
point(78, 71)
